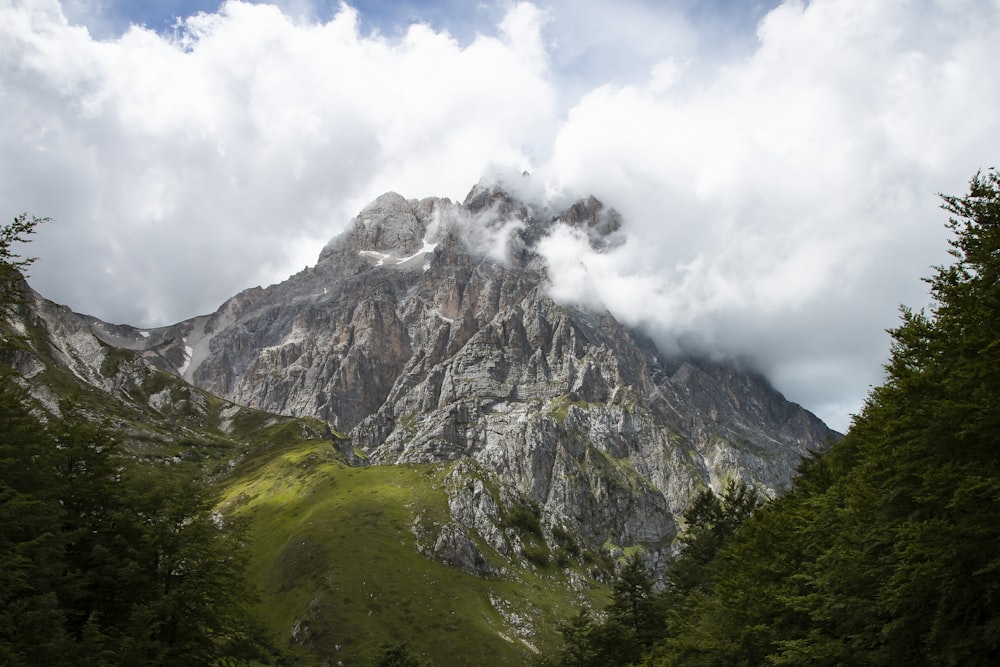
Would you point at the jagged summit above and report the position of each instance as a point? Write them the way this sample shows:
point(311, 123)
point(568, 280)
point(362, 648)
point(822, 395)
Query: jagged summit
point(427, 333)
point(491, 222)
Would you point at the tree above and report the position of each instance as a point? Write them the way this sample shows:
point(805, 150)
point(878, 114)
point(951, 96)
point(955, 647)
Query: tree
point(578, 645)
point(710, 521)
point(886, 550)
point(104, 560)
point(636, 607)
point(397, 655)
point(11, 264)
point(186, 587)
point(936, 422)
point(31, 543)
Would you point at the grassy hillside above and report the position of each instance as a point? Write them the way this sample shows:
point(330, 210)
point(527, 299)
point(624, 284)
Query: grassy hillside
point(337, 556)
point(344, 557)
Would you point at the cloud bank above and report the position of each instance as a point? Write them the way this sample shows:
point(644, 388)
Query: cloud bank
point(777, 185)
point(184, 167)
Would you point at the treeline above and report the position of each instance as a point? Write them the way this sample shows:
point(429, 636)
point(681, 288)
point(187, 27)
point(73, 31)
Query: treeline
point(636, 620)
point(639, 618)
point(103, 561)
point(886, 551)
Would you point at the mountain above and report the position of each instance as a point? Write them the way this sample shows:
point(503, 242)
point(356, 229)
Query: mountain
point(532, 442)
point(426, 333)
point(61, 358)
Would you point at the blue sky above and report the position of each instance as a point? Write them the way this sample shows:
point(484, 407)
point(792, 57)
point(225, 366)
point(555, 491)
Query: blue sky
point(715, 29)
point(776, 163)
point(110, 17)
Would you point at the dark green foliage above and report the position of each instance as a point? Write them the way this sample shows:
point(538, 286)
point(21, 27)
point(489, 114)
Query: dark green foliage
point(565, 540)
point(526, 517)
point(710, 520)
point(11, 265)
point(106, 565)
point(639, 618)
point(397, 655)
point(634, 621)
point(567, 550)
point(31, 543)
point(537, 554)
point(636, 609)
point(102, 563)
point(887, 549)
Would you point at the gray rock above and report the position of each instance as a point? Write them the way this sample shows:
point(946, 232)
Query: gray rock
point(426, 332)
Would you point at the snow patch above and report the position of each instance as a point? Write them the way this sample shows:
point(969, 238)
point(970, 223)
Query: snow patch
point(426, 249)
point(383, 258)
point(144, 334)
point(200, 341)
point(374, 254)
point(188, 353)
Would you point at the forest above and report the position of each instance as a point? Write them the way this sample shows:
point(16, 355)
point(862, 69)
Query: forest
point(886, 550)
point(104, 561)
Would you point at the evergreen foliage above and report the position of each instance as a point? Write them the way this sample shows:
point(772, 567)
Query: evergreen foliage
point(887, 549)
point(103, 564)
point(398, 655)
point(640, 618)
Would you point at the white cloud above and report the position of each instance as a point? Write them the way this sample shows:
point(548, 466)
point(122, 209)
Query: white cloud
point(186, 167)
point(778, 194)
point(782, 208)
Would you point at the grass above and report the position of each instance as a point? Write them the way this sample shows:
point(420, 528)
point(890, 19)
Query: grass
point(339, 568)
point(333, 550)
point(559, 407)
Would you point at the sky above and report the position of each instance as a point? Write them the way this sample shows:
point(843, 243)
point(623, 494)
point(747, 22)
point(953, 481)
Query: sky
point(777, 164)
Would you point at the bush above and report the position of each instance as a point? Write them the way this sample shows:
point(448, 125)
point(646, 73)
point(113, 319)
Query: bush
point(525, 517)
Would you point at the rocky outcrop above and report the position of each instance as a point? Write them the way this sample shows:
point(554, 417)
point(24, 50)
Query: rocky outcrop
point(126, 378)
point(426, 332)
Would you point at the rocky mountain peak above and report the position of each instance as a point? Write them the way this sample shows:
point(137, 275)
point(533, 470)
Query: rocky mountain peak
point(426, 333)
point(492, 222)
point(389, 225)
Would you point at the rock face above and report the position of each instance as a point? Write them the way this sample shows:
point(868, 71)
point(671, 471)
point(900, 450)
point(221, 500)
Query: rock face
point(126, 378)
point(425, 332)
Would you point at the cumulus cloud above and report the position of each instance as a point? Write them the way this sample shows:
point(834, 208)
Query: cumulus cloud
point(776, 167)
point(183, 167)
point(782, 208)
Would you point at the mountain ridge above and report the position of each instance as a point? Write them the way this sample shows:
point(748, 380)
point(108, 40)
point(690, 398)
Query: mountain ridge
point(425, 333)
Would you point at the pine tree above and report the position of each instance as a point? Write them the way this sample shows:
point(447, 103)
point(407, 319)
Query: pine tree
point(637, 609)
